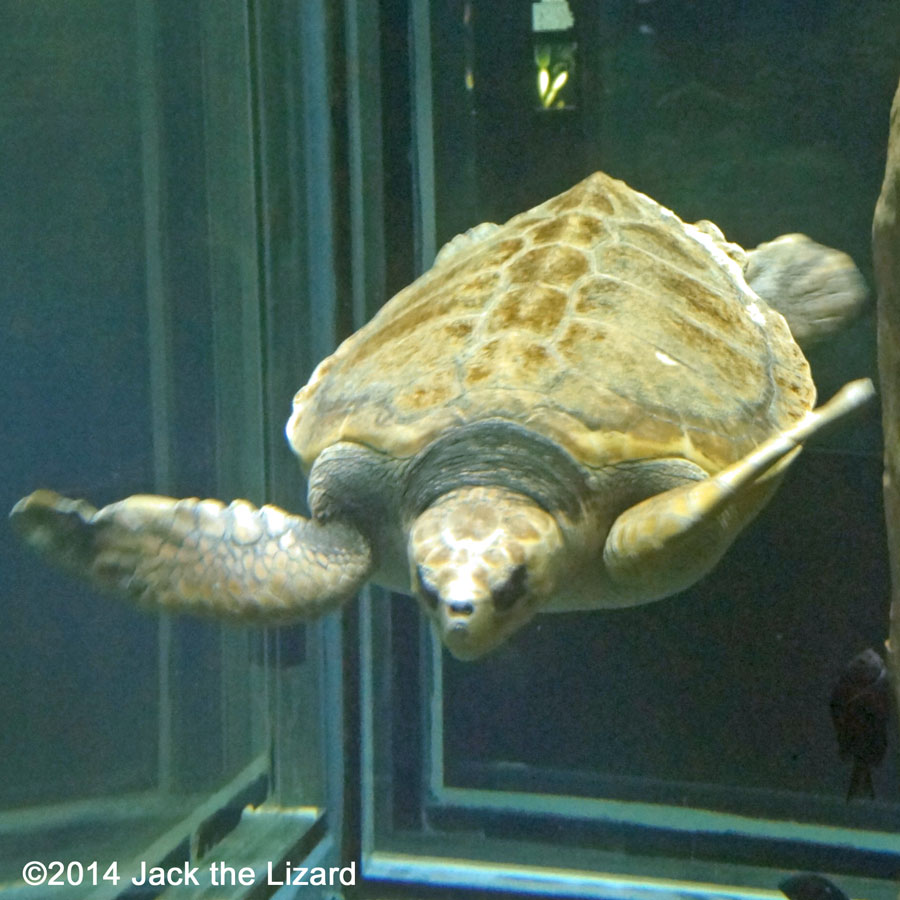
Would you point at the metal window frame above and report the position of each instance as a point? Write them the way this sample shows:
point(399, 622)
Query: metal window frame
point(250, 327)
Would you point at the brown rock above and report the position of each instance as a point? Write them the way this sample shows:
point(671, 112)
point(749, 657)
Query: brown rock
point(886, 252)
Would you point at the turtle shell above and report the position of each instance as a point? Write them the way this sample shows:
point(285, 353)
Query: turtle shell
point(598, 319)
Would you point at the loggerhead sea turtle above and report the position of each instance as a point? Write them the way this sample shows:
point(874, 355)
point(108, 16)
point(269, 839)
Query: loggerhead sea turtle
point(578, 409)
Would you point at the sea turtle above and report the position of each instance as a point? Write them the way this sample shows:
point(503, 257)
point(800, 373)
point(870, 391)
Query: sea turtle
point(578, 409)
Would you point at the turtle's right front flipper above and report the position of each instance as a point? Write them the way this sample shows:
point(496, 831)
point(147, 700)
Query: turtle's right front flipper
point(199, 556)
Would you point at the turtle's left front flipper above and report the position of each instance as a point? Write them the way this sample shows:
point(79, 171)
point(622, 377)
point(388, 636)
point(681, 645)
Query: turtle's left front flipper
point(199, 556)
point(666, 543)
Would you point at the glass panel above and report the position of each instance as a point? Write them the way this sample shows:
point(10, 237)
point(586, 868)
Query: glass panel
point(661, 732)
point(154, 340)
point(75, 669)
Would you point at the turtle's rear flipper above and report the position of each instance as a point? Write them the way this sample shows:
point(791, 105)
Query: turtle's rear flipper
point(199, 556)
point(818, 290)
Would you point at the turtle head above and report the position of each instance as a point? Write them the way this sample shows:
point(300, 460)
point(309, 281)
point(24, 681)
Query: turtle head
point(483, 562)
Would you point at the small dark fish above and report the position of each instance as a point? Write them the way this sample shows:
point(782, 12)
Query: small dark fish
point(860, 703)
point(810, 887)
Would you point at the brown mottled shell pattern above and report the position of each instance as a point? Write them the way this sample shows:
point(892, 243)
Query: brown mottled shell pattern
point(598, 319)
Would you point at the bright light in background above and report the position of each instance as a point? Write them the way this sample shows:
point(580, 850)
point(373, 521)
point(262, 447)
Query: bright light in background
point(552, 25)
point(555, 63)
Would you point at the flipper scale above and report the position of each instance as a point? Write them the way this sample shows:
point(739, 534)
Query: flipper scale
point(235, 562)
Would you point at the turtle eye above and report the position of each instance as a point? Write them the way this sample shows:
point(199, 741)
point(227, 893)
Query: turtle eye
point(426, 591)
point(512, 590)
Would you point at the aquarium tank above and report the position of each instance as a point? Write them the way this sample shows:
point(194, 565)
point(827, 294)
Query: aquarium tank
point(201, 200)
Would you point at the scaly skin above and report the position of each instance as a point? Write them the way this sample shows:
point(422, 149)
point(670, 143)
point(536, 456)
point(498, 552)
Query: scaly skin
point(669, 541)
point(232, 562)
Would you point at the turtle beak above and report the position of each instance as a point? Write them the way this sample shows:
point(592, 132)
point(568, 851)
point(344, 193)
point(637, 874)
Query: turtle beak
point(468, 628)
point(462, 644)
point(454, 618)
point(466, 614)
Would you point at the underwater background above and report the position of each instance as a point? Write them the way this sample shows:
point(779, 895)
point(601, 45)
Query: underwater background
point(765, 116)
point(761, 117)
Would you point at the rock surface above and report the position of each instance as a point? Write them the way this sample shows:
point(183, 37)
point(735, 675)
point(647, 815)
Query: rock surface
point(886, 253)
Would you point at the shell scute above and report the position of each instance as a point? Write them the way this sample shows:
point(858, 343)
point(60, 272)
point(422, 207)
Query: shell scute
point(538, 308)
point(554, 264)
point(599, 319)
point(597, 194)
point(675, 247)
point(573, 229)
